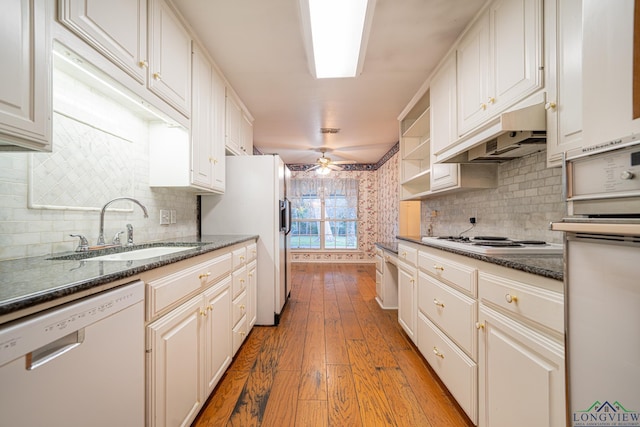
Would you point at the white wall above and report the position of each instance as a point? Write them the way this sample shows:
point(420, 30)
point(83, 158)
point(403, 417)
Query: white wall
point(100, 151)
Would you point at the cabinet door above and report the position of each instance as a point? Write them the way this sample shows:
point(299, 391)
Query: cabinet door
point(246, 135)
point(563, 77)
point(444, 175)
point(233, 123)
point(217, 354)
point(473, 75)
point(174, 368)
point(443, 106)
point(516, 51)
point(117, 29)
point(252, 293)
point(25, 76)
point(218, 131)
point(170, 61)
point(201, 122)
point(407, 304)
point(521, 375)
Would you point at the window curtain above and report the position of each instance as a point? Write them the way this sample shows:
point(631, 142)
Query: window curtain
point(345, 187)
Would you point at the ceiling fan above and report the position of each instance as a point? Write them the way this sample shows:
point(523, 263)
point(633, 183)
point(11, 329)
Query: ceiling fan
point(325, 164)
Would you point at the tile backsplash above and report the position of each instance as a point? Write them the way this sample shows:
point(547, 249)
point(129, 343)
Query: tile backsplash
point(527, 199)
point(100, 152)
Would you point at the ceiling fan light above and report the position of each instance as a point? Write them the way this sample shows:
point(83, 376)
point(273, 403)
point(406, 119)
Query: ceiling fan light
point(323, 170)
point(338, 32)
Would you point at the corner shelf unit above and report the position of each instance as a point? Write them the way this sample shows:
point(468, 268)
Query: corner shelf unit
point(415, 151)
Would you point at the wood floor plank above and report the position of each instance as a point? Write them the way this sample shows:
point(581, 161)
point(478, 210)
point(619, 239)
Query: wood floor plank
point(223, 400)
point(342, 405)
point(312, 413)
point(283, 400)
point(403, 401)
point(313, 383)
point(373, 403)
point(291, 355)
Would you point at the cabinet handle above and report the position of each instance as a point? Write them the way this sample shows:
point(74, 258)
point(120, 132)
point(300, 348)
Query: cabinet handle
point(250, 274)
point(209, 307)
point(437, 352)
point(412, 281)
point(242, 333)
point(483, 106)
point(242, 307)
point(550, 106)
point(404, 254)
point(438, 303)
point(157, 76)
point(510, 298)
point(204, 275)
point(438, 267)
point(143, 63)
point(491, 100)
point(203, 313)
point(241, 257)
point(241, 280)
point(213, 160)
point(479, 325)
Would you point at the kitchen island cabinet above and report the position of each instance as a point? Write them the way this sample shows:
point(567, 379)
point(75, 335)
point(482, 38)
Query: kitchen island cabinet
point(25, 86)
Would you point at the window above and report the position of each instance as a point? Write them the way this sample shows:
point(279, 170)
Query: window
point(324, 213)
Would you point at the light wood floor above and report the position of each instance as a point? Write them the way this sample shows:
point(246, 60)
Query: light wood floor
point(336, 359)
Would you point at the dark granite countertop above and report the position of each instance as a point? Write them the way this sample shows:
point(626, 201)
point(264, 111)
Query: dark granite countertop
point(28, 282)
point(551, 266)
point(388, 246)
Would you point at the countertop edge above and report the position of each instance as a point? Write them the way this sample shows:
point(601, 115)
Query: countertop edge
point(503, 261)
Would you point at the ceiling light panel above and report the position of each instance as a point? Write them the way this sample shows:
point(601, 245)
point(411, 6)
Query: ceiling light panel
point(339, 32)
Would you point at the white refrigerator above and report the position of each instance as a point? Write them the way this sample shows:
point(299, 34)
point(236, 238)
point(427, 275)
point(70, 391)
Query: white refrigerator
point(255, 202)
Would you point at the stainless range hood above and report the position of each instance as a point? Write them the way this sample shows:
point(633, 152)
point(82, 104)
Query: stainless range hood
point(512, 134)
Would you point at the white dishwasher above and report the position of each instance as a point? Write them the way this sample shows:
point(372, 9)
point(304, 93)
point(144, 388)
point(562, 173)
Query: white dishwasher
point(81, 364)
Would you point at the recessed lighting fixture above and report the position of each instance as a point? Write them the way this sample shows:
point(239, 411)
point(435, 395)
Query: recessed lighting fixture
point(336, 34)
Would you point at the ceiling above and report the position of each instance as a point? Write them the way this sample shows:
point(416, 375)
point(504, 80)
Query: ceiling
point(258, 46)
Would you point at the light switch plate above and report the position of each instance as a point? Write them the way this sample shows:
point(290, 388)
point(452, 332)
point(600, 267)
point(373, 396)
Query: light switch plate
point(165, 217)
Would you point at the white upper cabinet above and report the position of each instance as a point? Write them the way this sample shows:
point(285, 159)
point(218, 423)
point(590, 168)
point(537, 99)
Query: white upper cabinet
point(499, 61)
point(608, 71)
point(563, 77)
point(239, 127)
point(170, 57)
point(115, 28)
point(25, 76)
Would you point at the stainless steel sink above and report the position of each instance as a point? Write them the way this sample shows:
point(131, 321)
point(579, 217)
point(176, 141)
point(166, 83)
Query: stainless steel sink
point(139, 254)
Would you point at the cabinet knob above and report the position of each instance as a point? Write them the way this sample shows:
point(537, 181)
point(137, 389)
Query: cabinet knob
point(209, 307)
point(157, 76)
point(550, 105)
point(250, 274)
point(143, 63)
point(483, 106)
point(491, 100)
point(438, 267)
point(412, 281)
point(479, 325)
point(510, 298)
point(241, 280)
point(241, 257)
point(204, 275)
point(242, 307)
point(627, 175)
point(437, 352)
point(404, 254)
point(438, 303)
point(203, 313)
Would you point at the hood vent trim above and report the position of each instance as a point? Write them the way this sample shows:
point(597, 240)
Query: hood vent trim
point(511, 135)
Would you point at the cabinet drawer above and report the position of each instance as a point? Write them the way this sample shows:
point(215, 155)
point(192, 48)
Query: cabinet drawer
point(239, 333)
point(252, 252)
point(455, 369)
point(450, 272)
point(239, 307)
point(239, 257)
point(454, 313)
point(239, 283)
point(379, 262)
point(170, 289)
point(408, 254)
point(533, 303)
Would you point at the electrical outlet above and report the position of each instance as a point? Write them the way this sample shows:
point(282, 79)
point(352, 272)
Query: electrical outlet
point(174, 218)
point(472, 220)
point(165, 217)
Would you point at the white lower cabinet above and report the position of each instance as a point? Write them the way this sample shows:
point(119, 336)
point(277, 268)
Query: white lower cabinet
point(494, 336)
point(252, 292)
point(175, 368)
point(407, 298)
point(197, 314)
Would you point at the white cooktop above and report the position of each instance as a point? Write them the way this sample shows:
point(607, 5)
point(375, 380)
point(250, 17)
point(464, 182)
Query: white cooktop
point(478, 247)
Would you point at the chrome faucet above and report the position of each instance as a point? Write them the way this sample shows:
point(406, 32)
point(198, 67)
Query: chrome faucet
point(102, 212)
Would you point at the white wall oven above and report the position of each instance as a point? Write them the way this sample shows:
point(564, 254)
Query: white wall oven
point(602, 284)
